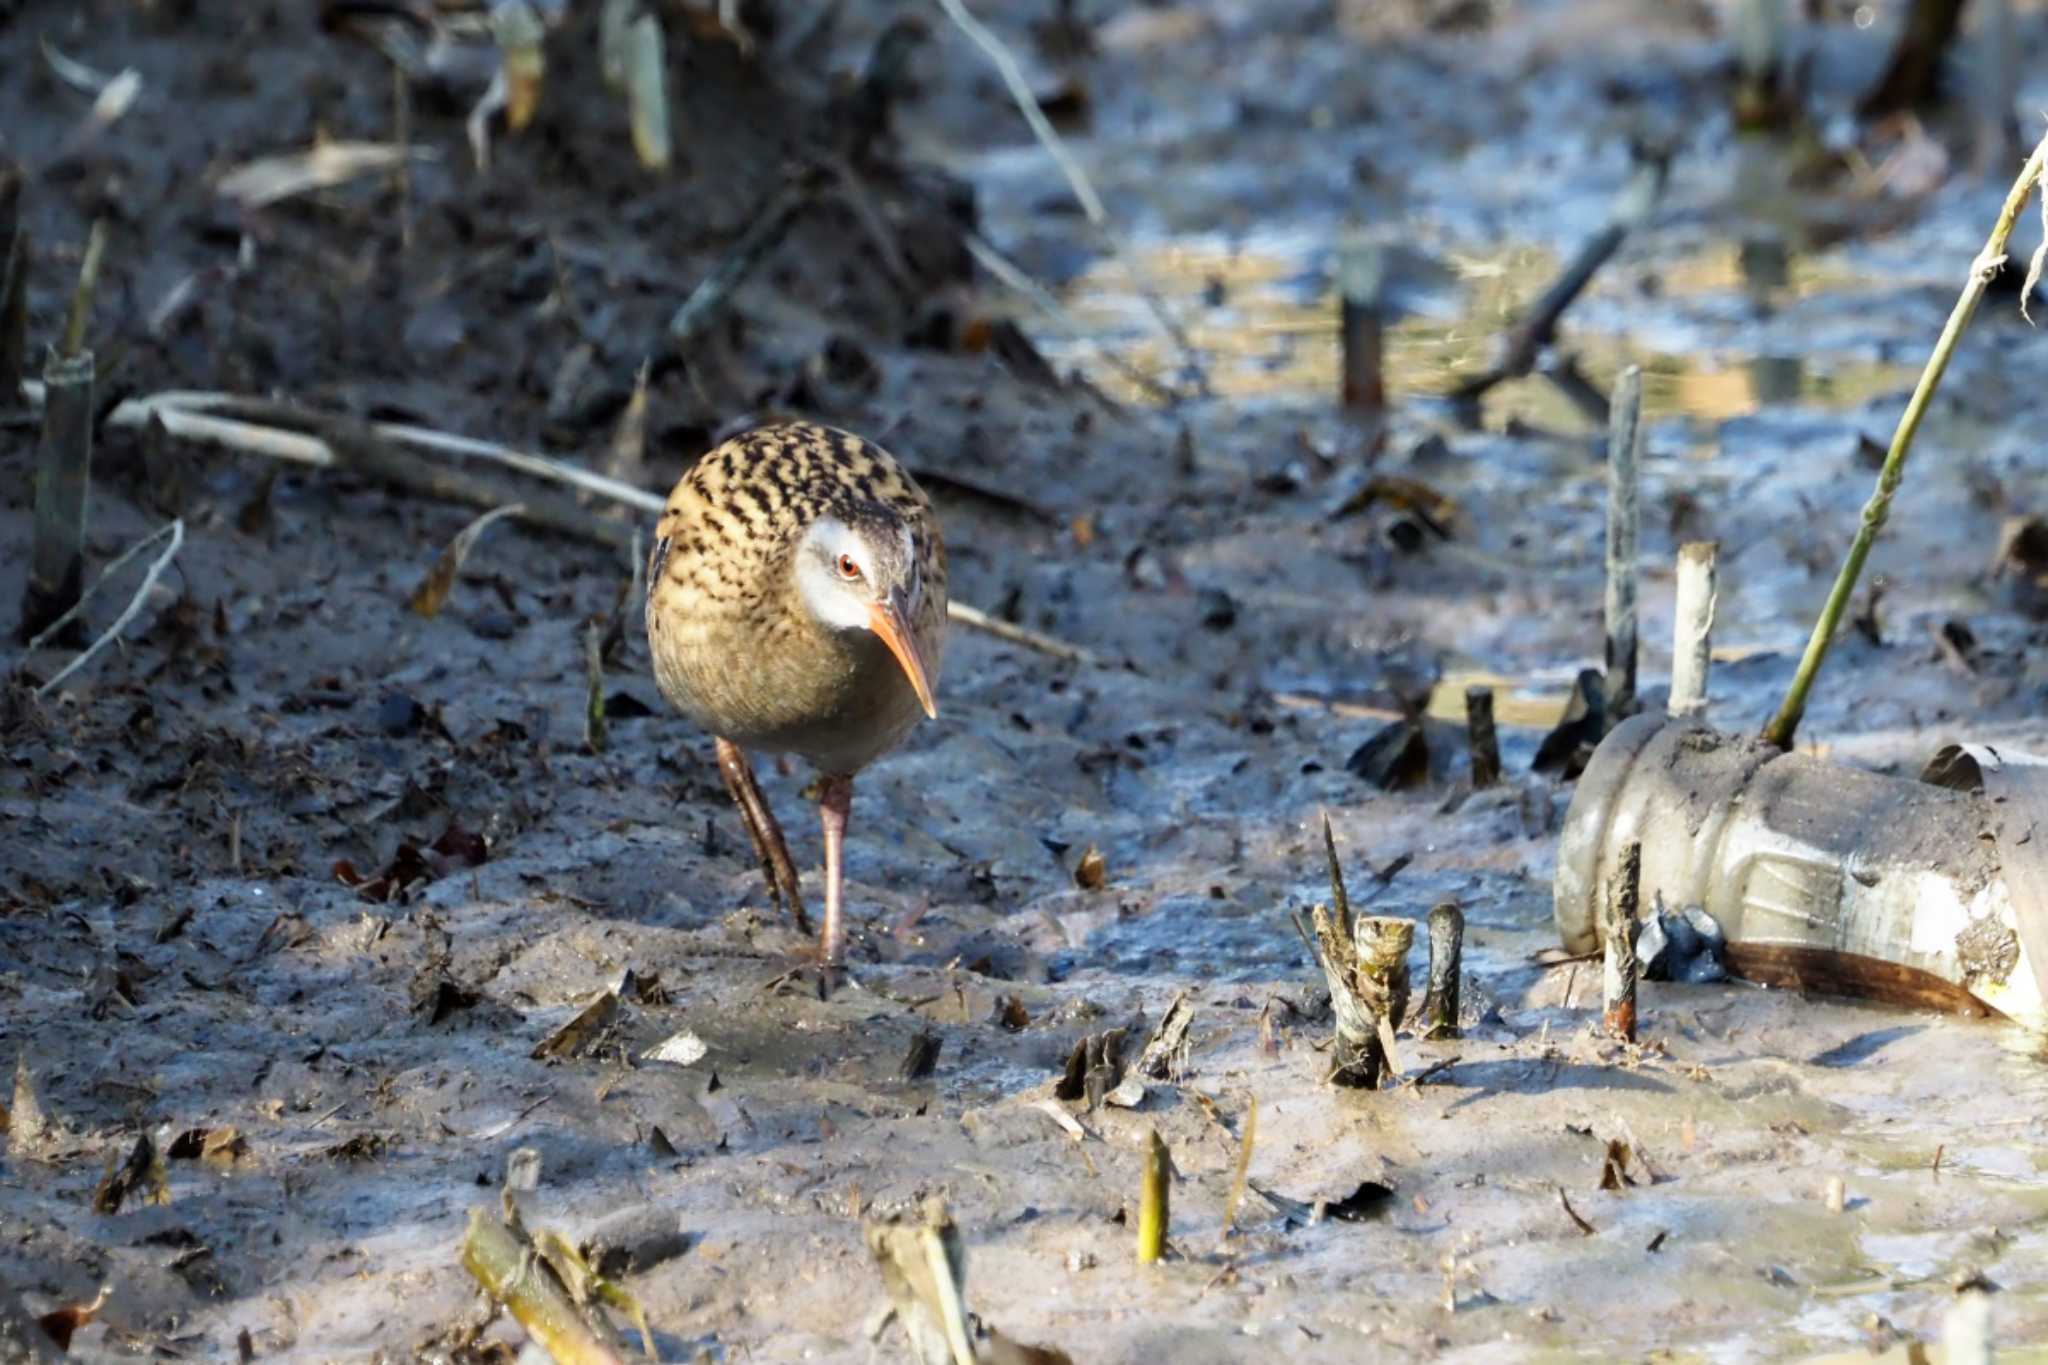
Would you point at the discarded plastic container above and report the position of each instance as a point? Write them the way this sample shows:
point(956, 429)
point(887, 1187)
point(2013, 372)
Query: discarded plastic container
point(1925, 893)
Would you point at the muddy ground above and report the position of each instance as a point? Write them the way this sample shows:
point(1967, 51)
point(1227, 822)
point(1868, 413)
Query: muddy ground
point(182, 953)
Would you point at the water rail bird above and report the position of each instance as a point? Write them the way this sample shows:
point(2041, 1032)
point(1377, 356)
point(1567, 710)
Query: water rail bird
point(796, 604)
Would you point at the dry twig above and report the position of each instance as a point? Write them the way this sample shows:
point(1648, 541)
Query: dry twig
point(129, 613)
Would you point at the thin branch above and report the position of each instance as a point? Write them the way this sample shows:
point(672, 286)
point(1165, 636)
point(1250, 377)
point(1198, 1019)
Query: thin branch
point(974, 618)
point(68, 617)
point(174, 409)
point(1084, 191)
point(1982, 270)
point(1027, 105)
point(1013, 275)
point(128, 614)
point(1527, 339)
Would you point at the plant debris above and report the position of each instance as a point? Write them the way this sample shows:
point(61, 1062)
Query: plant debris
point(61, 1324)
point(1166, 1053)
point(432, 593)
point(1396, 757)
point(454, 849)
point(222, 1146)
point(141, 1174)
point(582, 1031)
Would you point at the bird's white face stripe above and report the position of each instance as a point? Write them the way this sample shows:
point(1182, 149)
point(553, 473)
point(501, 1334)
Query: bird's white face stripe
point(830, 599)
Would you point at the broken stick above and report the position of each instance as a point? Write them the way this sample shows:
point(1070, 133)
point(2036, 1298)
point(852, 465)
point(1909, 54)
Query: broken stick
point(371, 448)
point(1638, 198)
point(771, 223)
point(1618, 935)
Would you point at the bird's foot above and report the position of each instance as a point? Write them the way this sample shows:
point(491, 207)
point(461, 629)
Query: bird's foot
point(808, 973)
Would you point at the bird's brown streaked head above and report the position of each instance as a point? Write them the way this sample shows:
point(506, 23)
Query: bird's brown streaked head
point(859, 567)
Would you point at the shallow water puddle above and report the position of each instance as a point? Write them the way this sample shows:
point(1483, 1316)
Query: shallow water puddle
point(1263, 311)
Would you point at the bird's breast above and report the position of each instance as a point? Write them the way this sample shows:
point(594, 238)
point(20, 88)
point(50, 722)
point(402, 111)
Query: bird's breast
point(836, 699)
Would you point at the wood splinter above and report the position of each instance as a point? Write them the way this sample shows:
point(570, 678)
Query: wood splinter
point(1618, 935)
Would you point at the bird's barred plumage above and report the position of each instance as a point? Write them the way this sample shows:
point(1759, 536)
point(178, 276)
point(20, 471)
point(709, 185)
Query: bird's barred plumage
point(733, 647)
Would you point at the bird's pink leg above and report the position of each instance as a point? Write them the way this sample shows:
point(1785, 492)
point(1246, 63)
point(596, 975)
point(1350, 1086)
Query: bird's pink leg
point(835, 804)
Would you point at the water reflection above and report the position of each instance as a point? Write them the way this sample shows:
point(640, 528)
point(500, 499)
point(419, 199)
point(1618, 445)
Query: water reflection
point(1265, 316)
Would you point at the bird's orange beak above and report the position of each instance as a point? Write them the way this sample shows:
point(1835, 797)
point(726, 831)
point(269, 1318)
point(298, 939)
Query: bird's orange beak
point(886, 620)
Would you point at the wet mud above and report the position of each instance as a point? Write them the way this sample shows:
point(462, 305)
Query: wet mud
point(294, 861)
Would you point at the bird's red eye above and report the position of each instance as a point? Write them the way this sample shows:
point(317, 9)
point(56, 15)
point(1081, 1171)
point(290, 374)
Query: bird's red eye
point(847, 568)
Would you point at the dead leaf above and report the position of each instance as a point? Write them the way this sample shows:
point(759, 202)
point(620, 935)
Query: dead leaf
point(517, 30)
point(1614, 1166)
point(142, 1172)
point(432, 593)
point(645, 76)
point(629, 438)
point(59, 1323)
point(221, 1146)
point(268, 179)
point(579, 1033)
point(1438, 513)
point(922, 1058)
point(361, 1147)
point(455, 849)
point(28, 1127)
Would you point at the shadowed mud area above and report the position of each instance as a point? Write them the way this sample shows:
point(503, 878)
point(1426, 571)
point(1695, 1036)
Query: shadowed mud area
point(181, 950)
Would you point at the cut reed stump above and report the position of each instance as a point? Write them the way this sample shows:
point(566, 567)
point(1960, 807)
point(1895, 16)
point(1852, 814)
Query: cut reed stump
point(1624, 521)
point(1622, 910)
point(56, 574)
point(14, 245)
point(1693, 628)
point(1366, 964)
point(1446, 951)
point(1483, 737)
point(1361, 277)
